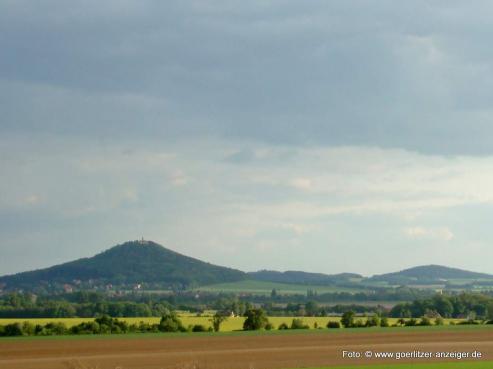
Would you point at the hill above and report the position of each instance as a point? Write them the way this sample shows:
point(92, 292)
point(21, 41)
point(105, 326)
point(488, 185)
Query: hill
point(298, 277)
point(155, 267)
point(134, 262)
point(429, 274)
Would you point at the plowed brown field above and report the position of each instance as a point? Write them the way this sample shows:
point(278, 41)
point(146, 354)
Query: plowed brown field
point(233, 351)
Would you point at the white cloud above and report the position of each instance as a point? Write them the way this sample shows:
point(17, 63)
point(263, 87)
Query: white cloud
point(438, 233)
point(32, 199)
point(297, 229)
point(320, 200)
point(304, 184)
point(178, 179)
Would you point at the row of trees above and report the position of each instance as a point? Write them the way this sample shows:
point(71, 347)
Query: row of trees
point(255, 319)
point(90, 304)
point(465, 305)
point(82, 304)
point(375, 294)
point(102, 325)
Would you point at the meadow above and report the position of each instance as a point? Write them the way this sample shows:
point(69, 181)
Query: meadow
point(231, 323)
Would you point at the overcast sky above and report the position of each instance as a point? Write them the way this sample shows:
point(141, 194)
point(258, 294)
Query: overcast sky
point(325, 136)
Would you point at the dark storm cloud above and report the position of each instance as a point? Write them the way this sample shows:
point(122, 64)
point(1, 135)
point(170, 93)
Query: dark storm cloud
point(392, 74)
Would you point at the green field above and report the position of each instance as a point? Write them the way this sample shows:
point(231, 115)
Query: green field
point(231, 324)
point(241, 333)
point(265, 288)
point(461, 365)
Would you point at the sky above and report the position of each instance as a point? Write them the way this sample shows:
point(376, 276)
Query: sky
point(324, 136)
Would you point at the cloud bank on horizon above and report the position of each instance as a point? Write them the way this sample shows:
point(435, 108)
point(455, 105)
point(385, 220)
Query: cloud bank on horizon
point(312, 136)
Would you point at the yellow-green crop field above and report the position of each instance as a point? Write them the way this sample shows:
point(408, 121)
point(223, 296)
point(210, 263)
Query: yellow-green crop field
point(231, 324)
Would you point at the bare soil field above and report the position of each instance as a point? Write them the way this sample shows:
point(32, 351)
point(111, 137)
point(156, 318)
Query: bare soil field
point(262, 351)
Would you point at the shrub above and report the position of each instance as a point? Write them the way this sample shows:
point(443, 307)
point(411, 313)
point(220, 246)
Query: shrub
point(347, 319)
point(359, 324)
point(373, 321)
point(411, 322)
point(14, 329)
point(255, 319)
point(54, 329)
point(146, 327)
point(283, 326)
point(439, 320)
point(298, 324)
point(28, 329)
point(425, 321)
point(384, 322)
point(85, 328)
point(333, 325)
point(108, 324)
point(199, 328)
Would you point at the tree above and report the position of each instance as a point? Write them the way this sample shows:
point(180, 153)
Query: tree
point(481, 310)
point(255, 319)
point(347, 319)
point(216, 320)
point(443, 306)
point(171, 323)
point(373, 321)
point(311, 308)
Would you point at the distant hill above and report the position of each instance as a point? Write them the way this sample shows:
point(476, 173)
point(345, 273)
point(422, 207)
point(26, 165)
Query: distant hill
point(429, 274)
point(133, 262)
point(297, 277)
point(153, 266)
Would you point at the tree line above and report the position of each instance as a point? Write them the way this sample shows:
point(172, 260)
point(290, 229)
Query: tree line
point(91, 304)
point(255, 319)
point(464, 305)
